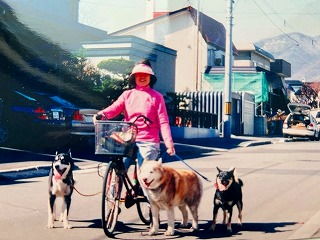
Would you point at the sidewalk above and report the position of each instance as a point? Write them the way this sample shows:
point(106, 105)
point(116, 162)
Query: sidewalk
point(21, 169)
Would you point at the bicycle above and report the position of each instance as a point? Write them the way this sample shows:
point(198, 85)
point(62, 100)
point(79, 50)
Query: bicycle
point(117, 140)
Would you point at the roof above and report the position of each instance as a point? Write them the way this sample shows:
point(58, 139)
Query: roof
point(253, 48)
point(293, 82)
point(212, 31)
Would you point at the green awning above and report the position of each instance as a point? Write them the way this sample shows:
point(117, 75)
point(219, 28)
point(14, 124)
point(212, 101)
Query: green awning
point(255, 83)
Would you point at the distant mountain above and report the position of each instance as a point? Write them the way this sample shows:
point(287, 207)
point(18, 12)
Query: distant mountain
point(301, 51)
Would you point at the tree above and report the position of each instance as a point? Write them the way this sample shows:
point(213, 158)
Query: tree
point(82, 70)
point(120, 67)
point(309, 94)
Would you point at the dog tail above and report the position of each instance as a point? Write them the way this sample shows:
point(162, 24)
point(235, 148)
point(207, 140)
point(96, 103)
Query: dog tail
point(240, 182)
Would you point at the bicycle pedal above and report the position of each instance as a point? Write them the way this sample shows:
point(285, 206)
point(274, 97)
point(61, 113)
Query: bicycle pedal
point(140, 197)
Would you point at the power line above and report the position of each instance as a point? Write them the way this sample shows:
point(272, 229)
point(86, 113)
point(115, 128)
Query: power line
point(274, 23)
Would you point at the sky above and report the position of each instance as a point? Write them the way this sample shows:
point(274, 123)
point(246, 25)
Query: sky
point(253, 20)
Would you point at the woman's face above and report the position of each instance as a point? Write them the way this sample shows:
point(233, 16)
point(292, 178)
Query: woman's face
point(142, 79)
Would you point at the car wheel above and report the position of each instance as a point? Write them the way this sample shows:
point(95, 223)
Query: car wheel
point(313, 138)
point(285, 135)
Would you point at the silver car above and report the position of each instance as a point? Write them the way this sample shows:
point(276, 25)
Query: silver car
point(316, 114)
point(300, 122)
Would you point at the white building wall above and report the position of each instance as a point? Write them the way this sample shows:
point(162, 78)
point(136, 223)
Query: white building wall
point(260, 61)
point(178, 33)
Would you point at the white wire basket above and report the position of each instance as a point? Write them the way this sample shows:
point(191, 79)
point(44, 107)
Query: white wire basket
point(115, 138)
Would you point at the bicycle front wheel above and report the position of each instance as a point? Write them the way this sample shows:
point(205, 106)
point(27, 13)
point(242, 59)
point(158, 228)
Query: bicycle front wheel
point(111, 192)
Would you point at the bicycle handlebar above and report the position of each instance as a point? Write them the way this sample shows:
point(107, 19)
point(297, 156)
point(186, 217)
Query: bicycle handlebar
point(145, 119)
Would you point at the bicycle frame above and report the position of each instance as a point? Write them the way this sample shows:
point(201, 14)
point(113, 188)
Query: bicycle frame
point(131, 188)
point(115, 177)
point(117, 140)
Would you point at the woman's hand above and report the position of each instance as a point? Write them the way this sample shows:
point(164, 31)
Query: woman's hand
point(97, 116)
point(171, 151)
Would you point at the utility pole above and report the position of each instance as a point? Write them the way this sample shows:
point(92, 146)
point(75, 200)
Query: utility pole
point(228, 74)
point(197, 46)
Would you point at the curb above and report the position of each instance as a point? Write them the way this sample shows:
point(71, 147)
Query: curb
point(24, 173)
point(255, 143)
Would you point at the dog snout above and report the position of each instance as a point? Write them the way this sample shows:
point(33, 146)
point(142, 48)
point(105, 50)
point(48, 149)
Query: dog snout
point(225, 182)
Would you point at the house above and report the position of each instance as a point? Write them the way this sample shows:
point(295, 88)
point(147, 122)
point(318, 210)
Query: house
point(163, 59)
point(197, 46)
point(255, 71)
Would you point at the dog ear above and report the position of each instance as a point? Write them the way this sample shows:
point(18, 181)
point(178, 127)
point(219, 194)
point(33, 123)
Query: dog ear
point(219, 170)
point(232, 170)
point(69, 152)
point(160, 160)
point(56, 153)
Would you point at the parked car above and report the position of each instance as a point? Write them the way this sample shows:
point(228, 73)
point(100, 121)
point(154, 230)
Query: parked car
point(78, 119)
point(3, 130)
point(39, 118)
point(316, 114)
point(300, 122)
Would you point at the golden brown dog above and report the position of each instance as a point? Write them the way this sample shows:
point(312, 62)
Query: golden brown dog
point(168, 188)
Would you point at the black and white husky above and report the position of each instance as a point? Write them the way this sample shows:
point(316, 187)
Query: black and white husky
point(61, 184)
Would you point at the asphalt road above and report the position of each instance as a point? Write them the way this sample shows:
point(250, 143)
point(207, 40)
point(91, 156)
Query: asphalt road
point(274, 208)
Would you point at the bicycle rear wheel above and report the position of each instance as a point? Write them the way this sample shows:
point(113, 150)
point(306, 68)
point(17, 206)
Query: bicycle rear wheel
point(111, 192)
point(144, 212)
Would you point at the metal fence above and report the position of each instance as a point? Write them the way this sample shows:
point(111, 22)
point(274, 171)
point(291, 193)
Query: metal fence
point(186, 118)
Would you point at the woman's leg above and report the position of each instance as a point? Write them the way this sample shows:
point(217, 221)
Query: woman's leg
point(147, 150)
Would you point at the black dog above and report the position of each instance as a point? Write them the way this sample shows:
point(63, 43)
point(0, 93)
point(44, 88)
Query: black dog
point(228, 193)
point(61, 184)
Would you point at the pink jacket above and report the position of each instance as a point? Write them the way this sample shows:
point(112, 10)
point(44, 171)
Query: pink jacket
point(148, 102)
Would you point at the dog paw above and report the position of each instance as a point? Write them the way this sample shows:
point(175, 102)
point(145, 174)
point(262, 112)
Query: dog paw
point(152, 232)
point(212, 228)
point(194, 229)
point(169, 233)
point(182, 225)
point(229, 230)
point(50, 226)
point(67, 226)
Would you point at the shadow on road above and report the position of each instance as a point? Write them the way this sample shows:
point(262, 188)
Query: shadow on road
point(139, 230)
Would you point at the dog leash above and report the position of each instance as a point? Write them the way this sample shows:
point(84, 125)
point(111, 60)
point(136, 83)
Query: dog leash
point(85, 195)
point(88, 195)
point(205, 178)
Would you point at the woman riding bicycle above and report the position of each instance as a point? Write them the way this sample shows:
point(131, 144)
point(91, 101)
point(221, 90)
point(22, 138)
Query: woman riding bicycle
point(142, 99)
